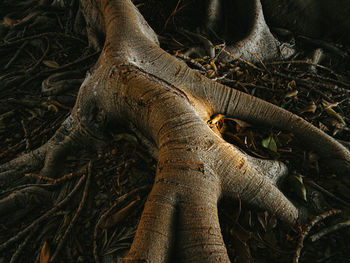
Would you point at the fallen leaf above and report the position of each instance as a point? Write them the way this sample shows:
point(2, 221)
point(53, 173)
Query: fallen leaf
point(240, 238)
point(9, 22)
point(125, 136)
point(51, 64)
point(240, 124)
point(292, 93)
point(120, 215)
point(270, 143)
point(335, 115)
point(212, 64)
point(297, 184)
point(262, 218)
point(327, 104)
point(268, 222)
point(309, 109)
point(292, 85)
point(45, 253)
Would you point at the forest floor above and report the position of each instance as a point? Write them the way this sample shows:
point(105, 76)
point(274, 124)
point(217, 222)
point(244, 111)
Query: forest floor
point(41, 47)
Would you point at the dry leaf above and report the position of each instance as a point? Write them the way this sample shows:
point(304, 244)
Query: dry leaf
point(240, 123)
point(212, 64)
point(292, 93)
point(240, 238)
point(239, 73)
point(45, 253)
point(125, 137)
point(327, 104)
point(9, 22)
point(120, 215)
point(210, 73)
point(335, 115)
point(328, 108)
point(51, 64)
point(310, 108)
point(297, 184)
point(292, 85)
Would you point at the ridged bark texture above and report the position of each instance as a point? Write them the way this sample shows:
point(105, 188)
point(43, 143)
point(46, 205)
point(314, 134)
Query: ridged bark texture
point(136, 81)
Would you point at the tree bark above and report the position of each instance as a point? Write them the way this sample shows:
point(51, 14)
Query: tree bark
point(135, 81)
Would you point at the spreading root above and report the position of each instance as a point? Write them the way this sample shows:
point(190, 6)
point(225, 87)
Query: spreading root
point(59, 200)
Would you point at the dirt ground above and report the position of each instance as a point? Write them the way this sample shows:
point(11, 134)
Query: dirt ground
point(44, 58)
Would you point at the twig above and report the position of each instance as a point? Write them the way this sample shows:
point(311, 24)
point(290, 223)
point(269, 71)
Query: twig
point(171, 15)
point(208, 45)
point(41, 58)
point(326, 45)
point(120, 200)
point(26, 135)
point(242, 60)
point(335, 81)
point(38, 221)
point(329, 87)
point(21, 246)
point(320, 188)
point(329, 230)
point(76, 215)
point(58, 180)
point(227, 81)
point(16, 55)
point(190, 61)
point(303, 62)
point(261, 62)
point(17, 41)
point(79, 60)
point(307, 228)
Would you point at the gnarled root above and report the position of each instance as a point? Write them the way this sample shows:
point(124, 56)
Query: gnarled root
point(135, 81)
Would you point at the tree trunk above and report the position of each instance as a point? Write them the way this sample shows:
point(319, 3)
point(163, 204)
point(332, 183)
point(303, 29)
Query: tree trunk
point(135, 81)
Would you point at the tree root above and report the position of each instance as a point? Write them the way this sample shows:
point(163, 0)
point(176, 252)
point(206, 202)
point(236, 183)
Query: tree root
point(76, 214)
point(135, 81)
point(306, 230)
point(104, 217)
point(58, 83)
point(44, 217)
point(30, 196)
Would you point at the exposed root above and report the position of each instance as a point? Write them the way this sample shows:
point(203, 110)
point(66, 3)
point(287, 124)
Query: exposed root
point(305, 231)
point(58, 180)
point(274, 170)
point(329, 230)
point(20, 199)
point(104, 216)
point(76, 214)
point(20, 248)
point(13, 170)
point(135, 81)
point(44, 217)
point(58, 83)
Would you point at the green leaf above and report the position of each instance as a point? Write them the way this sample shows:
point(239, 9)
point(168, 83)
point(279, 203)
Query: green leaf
point(335, 115)
point(270, 143)
point(297, 184)
point(125, 136)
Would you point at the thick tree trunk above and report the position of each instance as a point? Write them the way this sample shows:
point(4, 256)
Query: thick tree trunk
point(135, 81)
point(170, 104)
